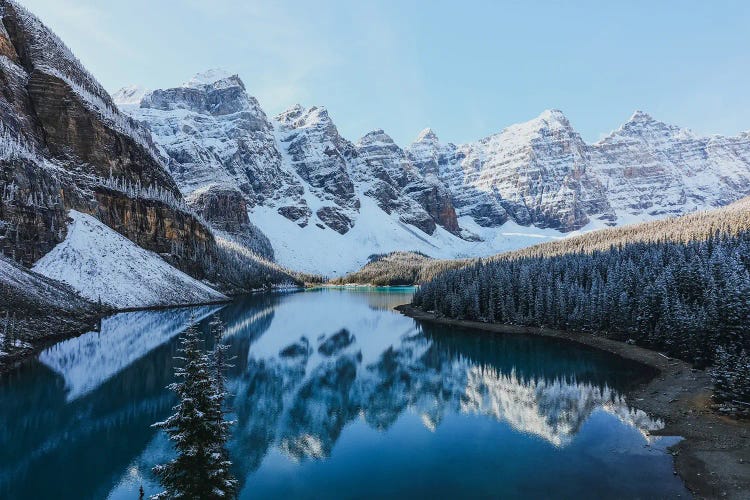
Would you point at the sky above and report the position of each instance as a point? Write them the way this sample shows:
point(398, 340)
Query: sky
point(465, 68)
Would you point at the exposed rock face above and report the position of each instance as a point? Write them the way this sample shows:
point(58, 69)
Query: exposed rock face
point(80, 122)
point(65, 145)
point(433, 197)
point(178, 236)
point(207, 125)
point(541, 172)
point(225, 209)
point(397, 184)
point(537, 171)
point(214, 133)
point(441, 161)
point(653, 168)
point(319, 155)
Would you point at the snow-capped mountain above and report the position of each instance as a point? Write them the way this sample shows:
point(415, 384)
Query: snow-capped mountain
point(66, 148)
point(650, 168)
point(326, 203)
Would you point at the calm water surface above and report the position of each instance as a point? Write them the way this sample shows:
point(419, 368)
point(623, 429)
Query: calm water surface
point(335, 395)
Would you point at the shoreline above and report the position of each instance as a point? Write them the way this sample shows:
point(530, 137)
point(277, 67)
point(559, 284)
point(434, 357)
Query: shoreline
point(712, 459)
point(9, 363)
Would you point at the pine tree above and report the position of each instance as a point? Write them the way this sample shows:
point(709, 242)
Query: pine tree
point(222, 476)
point(197, 430)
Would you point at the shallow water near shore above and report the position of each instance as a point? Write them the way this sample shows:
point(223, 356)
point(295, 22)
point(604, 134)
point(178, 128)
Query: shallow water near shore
point(334, 394)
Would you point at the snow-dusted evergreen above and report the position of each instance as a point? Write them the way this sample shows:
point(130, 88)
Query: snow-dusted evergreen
point(197, 429)
point(686, 295)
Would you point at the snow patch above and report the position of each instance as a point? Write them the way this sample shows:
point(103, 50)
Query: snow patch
point(103, 265)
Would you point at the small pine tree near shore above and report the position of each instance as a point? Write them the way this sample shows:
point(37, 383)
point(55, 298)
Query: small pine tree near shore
point(197, 429)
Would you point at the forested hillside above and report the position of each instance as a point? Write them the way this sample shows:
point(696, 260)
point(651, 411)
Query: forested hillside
point(680, 286)
point(398, 268)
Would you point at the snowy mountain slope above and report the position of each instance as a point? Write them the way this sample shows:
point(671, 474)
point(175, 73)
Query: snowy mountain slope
point(541, 172)
point(215, 133)
point(103, 265)
point(32, 306)
point(65, 145)
point(650, 168)
point(326, 203)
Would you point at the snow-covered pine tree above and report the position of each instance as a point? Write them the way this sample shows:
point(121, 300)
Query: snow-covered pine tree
point(197, 430)
point(222, 475)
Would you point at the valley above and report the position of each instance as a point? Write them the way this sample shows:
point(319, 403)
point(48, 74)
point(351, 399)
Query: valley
point(516, 314)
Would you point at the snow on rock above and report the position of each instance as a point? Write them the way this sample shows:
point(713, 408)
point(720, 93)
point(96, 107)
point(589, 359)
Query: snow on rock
point(324, 251)
point(215, 133)
point(326, 203)
point(129, 96)
point(208, 77)
point(103, 265)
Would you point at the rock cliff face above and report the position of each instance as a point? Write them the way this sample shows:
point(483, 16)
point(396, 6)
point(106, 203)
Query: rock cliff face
point(65, 145)
point(444, 199)
point(61, 133)
point(225, 209)
point(296, 164)
point(649, 167)
point(535, 171)
point(318, 155)
point(541, 172)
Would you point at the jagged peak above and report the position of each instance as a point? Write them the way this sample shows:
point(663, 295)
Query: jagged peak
point(427, 135)
point(216, 77)
point(551, 118)
point(642, 124)
point(299, 116)
point(641, 116)
point(376, 136)
point(547, 120)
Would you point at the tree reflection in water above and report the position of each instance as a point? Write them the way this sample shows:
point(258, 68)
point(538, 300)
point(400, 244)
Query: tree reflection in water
point(307, 367)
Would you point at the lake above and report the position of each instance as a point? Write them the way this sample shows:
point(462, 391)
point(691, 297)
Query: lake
point(335, 395)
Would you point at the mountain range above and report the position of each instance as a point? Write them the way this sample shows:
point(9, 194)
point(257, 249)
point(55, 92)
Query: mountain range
point(326, 203)
point(203, 179)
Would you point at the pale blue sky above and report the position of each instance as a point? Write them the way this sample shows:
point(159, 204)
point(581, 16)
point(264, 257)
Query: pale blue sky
point(465, 68)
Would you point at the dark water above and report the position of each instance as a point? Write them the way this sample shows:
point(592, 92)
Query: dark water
point(372, 405)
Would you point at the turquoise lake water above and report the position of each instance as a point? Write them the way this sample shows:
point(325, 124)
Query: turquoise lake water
point(335, 395)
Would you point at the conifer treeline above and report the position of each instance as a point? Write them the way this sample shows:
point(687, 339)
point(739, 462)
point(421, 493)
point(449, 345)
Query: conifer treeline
point(399, 268)
point(683, 288)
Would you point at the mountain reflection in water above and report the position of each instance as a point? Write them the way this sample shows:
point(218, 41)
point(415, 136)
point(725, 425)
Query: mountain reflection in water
point(330, 390)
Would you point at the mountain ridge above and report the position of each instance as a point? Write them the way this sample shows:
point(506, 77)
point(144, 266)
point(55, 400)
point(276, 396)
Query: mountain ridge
point(537, 178)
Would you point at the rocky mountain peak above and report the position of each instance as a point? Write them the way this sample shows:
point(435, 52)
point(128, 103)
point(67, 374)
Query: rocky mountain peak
point(217, 78)
point(290, 114)
point(210, 93)
point(552, 119)
point(643, 127)
point(427, 136)
point(374, 138)
point(298, 117)
point(641, 117)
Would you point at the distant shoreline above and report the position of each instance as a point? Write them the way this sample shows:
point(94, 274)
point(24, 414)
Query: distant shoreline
point(713, 459)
